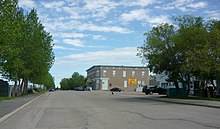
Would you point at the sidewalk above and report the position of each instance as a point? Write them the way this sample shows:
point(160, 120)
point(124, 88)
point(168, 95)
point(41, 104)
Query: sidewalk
point(204, 103)
point(7, 106)
point(155, 97)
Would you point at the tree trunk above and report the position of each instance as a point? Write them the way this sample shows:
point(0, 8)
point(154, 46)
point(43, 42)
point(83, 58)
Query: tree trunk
point(25, 86)
point(19, 87)
point(213, 84)
point(14, 92)
point(188, 85)
point(22, 86)
point(177, 88)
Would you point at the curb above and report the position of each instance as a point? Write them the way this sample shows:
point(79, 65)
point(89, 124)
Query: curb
point(177, 102)
point(18, 109)
point(185, 103)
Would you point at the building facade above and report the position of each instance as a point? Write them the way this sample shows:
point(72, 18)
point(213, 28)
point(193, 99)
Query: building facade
point(128, 78)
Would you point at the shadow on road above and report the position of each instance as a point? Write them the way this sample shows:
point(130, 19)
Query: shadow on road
point(135, 99)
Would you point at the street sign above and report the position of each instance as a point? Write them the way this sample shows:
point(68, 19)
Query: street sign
point(132, 81)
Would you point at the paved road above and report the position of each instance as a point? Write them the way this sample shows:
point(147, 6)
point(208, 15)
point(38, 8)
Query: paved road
point(7, 106)
point(101, 110)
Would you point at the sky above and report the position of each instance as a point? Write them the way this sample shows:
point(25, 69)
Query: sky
point(107, 32)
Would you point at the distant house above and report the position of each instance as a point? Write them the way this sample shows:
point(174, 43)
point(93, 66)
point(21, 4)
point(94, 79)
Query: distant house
point(194, 84)
point(153, 81)
point(4, 88)
point(128, 78)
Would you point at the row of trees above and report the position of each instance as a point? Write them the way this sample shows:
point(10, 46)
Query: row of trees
point(25, 47)
point(76, 80)
point(189, 49)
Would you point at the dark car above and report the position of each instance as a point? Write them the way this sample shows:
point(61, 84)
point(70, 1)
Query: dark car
point(116, 89)
point(51, 90)
point(150, 90)
point(162, 91)
point(79, 88)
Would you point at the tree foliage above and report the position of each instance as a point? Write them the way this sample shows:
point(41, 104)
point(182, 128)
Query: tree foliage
point(76, 80)
point(189, 49)
point(25, 47)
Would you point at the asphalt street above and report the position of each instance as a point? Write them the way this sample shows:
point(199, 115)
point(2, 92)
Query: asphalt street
point(102, 110)
point(7, 106)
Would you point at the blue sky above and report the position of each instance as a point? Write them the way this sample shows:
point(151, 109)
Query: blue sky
point(107, 32)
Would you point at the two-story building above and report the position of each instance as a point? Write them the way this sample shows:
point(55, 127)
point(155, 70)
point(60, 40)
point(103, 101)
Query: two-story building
point(128, 78)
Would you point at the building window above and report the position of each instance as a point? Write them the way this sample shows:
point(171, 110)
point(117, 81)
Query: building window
point(97, 84)
point(104, 73)
point(142, 74)
point(164, 85)
point(113, 73)
point(133, 73)
point(143, 83)
point(97, 73)
point(125, 84)
point(124, 73)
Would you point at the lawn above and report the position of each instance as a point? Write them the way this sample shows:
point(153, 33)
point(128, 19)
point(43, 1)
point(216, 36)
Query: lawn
point(6, 98)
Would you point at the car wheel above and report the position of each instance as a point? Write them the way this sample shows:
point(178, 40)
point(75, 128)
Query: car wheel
point(151, 93)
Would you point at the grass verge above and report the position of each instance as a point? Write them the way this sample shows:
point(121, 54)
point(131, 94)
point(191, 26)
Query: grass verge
point(6, 98)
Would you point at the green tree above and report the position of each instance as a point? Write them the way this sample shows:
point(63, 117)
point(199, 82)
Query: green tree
point(65, 84)
point(76, 80)
point(37, 55)
point(160, 51)
point(192, 49)
point(197, 38)
point(26, 52)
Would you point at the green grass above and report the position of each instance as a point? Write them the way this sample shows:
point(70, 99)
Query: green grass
point(42, 91)
point(6, 98)
point(192, 98)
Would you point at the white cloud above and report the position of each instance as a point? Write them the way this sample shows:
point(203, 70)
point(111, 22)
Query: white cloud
point(74, 13)
point(69, 35)
point(159, 19)
point(27, 3)
point(213, 14)
point(76, 25)
point(99, 8)
point(117, 56)
point(75, 42)
point(177, 4)
point(63, 48)
point(143, 15)
point(92, 27)
point(98, 37)
point(183, 5)
point(139, 14)
point(142, 3)
point(54, 4)
point(61, 25)
point(197, 5)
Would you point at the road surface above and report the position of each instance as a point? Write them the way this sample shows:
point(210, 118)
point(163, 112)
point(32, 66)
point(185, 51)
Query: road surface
point(102, 110)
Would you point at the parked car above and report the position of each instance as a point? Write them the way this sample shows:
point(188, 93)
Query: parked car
point(79, 88)
point(150, 90)
point(116, 89)
point(88, 88)
point(51, 90)
point(162, 91)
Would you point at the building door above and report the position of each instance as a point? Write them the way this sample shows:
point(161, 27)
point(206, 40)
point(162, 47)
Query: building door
point(125, 84)
point(104, 84)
